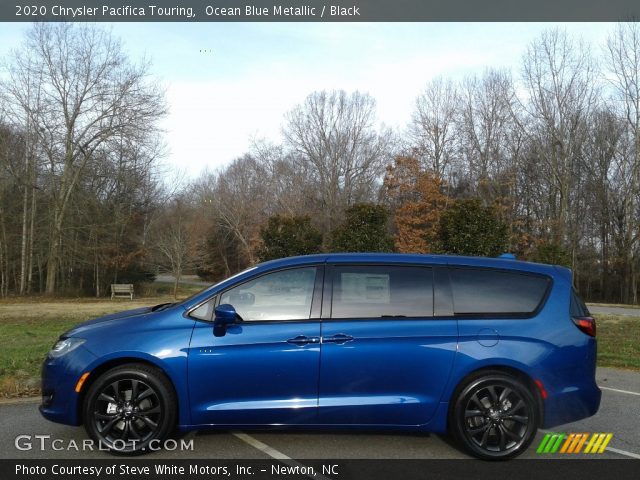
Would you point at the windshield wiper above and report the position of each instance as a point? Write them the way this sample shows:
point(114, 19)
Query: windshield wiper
point(393, 316)
point(162, 306)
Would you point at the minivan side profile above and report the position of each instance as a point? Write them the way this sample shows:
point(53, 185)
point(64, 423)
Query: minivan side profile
point(485, 349)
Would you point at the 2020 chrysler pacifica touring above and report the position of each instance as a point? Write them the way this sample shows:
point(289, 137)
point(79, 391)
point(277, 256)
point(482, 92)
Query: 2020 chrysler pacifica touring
point(486, 349)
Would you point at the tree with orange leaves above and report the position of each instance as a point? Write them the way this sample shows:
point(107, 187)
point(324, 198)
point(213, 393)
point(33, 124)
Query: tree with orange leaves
point(417, 199)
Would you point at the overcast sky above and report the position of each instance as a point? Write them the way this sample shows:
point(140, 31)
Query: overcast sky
point(227, 83)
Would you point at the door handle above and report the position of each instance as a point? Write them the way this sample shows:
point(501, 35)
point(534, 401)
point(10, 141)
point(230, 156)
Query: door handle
point(303, 340)
point(338, 338)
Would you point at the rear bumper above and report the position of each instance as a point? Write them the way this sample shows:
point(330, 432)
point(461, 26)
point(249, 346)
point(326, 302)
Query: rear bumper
point(571, 403)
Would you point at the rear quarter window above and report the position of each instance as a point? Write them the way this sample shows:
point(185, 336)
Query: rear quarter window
point(578, 307)
point(485, 291)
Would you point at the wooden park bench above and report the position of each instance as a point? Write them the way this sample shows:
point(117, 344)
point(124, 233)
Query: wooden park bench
point(122, 290)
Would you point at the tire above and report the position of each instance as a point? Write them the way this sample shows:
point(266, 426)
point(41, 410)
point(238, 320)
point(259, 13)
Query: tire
point(129, 407)
point(494, 417)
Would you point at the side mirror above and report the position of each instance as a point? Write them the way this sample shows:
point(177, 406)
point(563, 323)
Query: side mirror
point(225, 314)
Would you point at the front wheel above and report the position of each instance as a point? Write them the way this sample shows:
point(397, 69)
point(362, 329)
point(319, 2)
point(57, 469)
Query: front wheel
point(129, 407)
point(495, 417)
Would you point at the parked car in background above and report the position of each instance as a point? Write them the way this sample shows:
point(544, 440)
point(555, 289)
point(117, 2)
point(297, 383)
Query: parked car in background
point(486, 349)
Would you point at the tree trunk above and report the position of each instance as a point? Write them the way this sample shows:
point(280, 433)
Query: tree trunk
point(604, 273)
point(177, 276)
point(3, 278)
point(634, 285)
point(97, 277)
point(4, 257)
point(53, 261)
point(31, 235)
point(40, 275)
point(67, 185)
point(23, 243)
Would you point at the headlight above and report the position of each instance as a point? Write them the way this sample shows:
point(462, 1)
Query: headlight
point(63, 347)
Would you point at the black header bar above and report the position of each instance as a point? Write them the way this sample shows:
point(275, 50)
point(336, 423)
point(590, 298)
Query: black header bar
point(319, 10)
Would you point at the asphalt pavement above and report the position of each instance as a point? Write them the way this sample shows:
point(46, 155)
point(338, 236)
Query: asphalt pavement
point(619, 414)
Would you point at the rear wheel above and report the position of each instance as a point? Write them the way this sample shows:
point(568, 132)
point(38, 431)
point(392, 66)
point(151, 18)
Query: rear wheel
point(495, 417)
point(129, 407)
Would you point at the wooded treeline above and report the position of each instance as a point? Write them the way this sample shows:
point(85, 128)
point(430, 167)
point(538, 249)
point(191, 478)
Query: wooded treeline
point(550, 151)
point(78, 147)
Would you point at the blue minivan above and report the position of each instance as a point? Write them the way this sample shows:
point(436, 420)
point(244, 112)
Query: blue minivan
point(486, 349)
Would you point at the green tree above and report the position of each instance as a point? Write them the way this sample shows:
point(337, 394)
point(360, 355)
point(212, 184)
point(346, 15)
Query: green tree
point(552, 253)
point(363, 230)
point(284, 236)
point(469, 228)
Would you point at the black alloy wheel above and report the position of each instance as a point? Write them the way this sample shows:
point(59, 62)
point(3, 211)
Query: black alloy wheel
point(128, 407)
point(495, 417)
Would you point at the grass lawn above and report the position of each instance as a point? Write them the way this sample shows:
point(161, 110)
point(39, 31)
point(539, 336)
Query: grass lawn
point(28, 329)
point(618, 341)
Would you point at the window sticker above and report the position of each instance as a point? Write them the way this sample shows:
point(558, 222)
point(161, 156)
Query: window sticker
point(365, 288)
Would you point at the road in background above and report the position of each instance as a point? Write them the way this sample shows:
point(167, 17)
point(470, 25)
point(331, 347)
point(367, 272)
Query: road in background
point(629, 311)
point(184, 280)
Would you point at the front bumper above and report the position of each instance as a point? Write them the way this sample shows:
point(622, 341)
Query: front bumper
point(60, 402)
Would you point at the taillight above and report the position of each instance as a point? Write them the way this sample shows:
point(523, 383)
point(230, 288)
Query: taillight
point(586, 325)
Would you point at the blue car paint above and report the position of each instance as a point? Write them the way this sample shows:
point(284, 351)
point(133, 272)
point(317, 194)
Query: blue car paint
point(393, 374)
point(252, 375)
point(397, 373)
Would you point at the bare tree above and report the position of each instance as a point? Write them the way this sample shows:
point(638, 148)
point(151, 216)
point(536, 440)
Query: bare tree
point(433, 124)
point(485, 122)
point(602, 189)
point(333, 134)
point(236, 200)
point(289, 181)
point(623, 61)
point(559, 77)
point(172, 240)
point(89, 93)
point(20, 104)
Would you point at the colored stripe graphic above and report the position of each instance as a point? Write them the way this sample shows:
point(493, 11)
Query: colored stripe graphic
point(576, 445)
point(596, 445)
point(543, 443)
point(592, 440)
point(558, 442)
point(582, 440)
point(606, 442)
point(573, 443)
point(567, 442)
point(550, 443)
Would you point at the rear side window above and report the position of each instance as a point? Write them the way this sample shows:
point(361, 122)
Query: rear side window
point(382, 291)
point(479, 291)
point(578, 307)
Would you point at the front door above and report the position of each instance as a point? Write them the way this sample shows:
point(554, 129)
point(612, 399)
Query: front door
point(264, 369)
